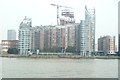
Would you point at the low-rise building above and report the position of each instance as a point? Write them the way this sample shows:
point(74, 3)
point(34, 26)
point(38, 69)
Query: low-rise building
point(6, 44)
point(106, 44)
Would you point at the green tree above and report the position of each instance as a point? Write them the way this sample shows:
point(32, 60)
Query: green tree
point(13, 51)
point(70, 49)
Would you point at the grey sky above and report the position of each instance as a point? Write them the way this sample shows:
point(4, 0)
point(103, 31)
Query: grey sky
point(12, 13)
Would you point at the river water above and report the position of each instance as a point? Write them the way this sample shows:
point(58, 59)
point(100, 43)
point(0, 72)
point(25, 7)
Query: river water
point(59, 68)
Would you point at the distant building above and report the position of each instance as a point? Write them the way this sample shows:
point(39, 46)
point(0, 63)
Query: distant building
point(11, 35)
point(96, 47)
point(119, 26)
point(116, 48)
point(106, 44)
point(6, 44)
point(24, 36)
point(0, 48)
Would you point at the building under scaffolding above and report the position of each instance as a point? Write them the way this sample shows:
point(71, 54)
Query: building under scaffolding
point(67, 17)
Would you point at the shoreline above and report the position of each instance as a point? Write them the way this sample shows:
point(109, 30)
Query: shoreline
point(59, 56)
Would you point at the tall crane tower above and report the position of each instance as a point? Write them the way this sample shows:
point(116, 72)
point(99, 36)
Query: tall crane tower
point(58, 11)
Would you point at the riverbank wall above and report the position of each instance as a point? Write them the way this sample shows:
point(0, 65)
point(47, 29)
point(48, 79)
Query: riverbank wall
point(59, 56)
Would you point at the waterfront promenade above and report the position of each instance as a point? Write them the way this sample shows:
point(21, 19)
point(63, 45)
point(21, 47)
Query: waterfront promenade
point(59, 56)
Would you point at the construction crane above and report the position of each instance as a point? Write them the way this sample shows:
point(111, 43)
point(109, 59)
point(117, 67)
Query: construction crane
point(58, 11)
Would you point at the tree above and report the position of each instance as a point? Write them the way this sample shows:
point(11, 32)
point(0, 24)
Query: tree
point(13, 51)
point(70, 49)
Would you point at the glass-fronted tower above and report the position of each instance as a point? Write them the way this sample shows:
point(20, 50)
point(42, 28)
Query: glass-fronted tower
point(90, 26)
point(24, 36)
point(81, 38)
point(87, 32)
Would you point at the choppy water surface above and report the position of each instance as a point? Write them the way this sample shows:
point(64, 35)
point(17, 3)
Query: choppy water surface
point(59, 68)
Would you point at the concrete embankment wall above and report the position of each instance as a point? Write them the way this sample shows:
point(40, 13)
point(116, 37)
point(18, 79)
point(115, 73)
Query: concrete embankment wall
point(60, 56)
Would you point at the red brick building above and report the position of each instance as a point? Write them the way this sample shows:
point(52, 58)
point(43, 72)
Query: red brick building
point(6, 44)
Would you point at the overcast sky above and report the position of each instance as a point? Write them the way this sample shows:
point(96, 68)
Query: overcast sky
point(12, 13)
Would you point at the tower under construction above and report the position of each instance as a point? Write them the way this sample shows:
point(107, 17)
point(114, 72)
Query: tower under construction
point(67, 17)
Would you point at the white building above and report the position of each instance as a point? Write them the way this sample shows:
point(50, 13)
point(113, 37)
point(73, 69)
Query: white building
point(24, 36)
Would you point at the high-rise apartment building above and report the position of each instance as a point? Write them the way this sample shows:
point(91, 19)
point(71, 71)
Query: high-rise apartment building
point(52, 37)
point(85, 33)
point(63, 38)
point(24, 36)
point(106, 44)
point(78, 37)
point(82, 38)
point(58, 38)
point(119, 26)
point(90, 28)
point(71, 35)
point(37, 38)
point(41, 39)
point(11, 35)
point(32, 39)
point(46, 38)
